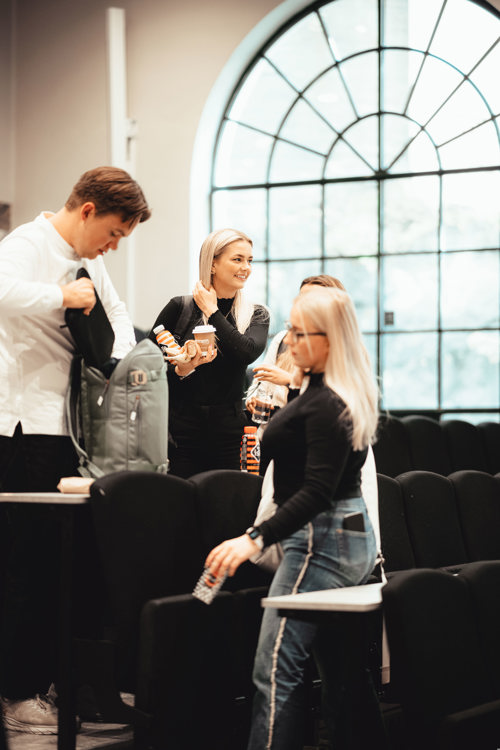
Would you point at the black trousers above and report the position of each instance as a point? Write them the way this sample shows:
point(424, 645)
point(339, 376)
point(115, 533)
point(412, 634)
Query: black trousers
point(206, 437)
point(30, 547)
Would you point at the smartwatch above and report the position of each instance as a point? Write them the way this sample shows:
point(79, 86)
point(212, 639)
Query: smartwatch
point(256, 536)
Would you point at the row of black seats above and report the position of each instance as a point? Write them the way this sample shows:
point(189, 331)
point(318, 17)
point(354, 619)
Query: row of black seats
point(445, 656)
point(433, 521)
point(419, 442)
point(188, 664)
point(435, 530)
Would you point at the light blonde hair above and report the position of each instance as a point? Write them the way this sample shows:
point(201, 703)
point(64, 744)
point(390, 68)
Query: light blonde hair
point(213, 246)
point(347, 370)
point(285, 359)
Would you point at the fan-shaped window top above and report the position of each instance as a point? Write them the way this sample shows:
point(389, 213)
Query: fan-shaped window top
point(363, 141)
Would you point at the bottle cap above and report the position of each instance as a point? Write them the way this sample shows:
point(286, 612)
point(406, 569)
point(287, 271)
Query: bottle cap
point(250, 429)
point(158, 329)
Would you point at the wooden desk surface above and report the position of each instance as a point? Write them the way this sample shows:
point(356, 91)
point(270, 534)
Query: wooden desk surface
point(348, 599)
point(47, 498)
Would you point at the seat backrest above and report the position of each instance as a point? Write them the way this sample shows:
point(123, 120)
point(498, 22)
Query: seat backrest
point(432, 519)
point(149, 545)
point(489, 433)
point(465, 447)
point(483, 579)
point(436, 658)
point(395, 542)
point(428, 449)
point(226, 505)
point(391, 449)
point(478, 502)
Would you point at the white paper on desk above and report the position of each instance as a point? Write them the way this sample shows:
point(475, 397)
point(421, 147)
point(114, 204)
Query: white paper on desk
point(77, 485)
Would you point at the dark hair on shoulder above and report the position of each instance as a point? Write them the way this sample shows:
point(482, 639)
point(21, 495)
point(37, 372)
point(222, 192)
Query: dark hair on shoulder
point(323, 279)
point(112, 191)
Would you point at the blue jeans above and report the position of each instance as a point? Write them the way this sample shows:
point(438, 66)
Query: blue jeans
point(321, 555)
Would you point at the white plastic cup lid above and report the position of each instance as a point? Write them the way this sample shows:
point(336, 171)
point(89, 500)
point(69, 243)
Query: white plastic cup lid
point(204, 329)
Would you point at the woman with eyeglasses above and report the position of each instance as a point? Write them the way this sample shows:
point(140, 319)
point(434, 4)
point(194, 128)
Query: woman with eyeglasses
point(277, 366)
point(318, 443)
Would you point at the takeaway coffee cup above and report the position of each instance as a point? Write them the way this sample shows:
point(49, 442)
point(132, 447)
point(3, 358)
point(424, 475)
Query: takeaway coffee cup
point(205, 336)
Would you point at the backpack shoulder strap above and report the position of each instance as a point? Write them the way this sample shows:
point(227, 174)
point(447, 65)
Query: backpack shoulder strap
point(73, 419)
point(184, 319)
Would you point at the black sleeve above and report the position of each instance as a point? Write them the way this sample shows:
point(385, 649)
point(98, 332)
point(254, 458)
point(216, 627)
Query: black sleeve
point(244, 347)
point(327, 450)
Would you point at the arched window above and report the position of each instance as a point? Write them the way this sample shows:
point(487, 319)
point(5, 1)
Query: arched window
point(363, 142)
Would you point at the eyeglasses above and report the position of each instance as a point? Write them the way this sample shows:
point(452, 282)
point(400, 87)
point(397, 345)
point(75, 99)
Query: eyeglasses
point(296, 336)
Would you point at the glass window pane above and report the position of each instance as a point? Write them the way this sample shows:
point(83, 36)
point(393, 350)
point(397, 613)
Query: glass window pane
point(397, 132)
point(455, 42)
point(344, 162)
point(409, 370)
point(361, 78)
point(363, 137)
point(463, 111)
point(256, 286)
point(315, 55)
point(242, 156)
point(405, 25)
point(420, 156)
point(485, 77)
point(305, 127)
point(471, 216)
point(435, 83)
point(244, 210)
point(351, 218)
point(284, 285)
point(263, 99)
point(410, 214)
point(352, 26)
point(479, 148)
point(370, 341)
point(410, 292)
point(359, 276)
point(328, 95)
point(474, 417)
point(468, 278)
point(295, 222)
point(470, 369)
point(291, 163)
point(400, 68)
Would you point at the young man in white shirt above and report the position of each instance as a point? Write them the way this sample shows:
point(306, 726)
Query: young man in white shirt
point(38, 265)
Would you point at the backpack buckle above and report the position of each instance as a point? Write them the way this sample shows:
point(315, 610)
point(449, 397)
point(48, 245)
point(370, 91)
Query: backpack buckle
point(138, 377)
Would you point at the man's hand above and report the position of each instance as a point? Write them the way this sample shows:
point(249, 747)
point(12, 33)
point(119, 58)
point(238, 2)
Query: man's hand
point(79, 294)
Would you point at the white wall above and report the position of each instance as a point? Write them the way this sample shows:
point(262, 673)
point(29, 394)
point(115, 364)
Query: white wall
point(175, 52)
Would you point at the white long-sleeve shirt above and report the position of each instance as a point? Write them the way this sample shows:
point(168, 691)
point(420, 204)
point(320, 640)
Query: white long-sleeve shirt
point(35, 350)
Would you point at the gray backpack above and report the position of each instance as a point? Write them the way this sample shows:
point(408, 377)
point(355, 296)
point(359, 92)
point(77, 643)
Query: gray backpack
point(120, 422)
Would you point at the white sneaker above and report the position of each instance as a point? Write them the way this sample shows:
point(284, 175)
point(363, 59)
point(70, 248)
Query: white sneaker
point(36, 715)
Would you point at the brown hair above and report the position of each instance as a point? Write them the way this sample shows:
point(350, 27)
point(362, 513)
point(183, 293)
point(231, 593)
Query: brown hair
point(112, 191)
point(323, 279)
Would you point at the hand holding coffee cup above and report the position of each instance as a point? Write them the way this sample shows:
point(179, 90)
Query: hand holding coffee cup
point(205, 337)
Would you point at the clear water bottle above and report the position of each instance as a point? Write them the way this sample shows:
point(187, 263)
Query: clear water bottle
point(263, 404)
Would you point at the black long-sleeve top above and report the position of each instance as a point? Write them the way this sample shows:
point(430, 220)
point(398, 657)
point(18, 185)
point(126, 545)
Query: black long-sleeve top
point(221, 381)
point(314, 462)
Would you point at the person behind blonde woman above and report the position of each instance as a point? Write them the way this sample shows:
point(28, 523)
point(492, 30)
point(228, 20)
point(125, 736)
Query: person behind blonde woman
point(206, 418)
point(318, 443)
point(275, 370)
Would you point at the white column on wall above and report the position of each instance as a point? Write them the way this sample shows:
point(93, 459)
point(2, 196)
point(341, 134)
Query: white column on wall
point(122, 129)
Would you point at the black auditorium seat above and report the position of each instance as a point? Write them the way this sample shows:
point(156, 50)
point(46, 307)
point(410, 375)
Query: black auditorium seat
point(447, 694)
point(428, 449)
point(432, 520)
point(478, 502)
point(465, 446)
